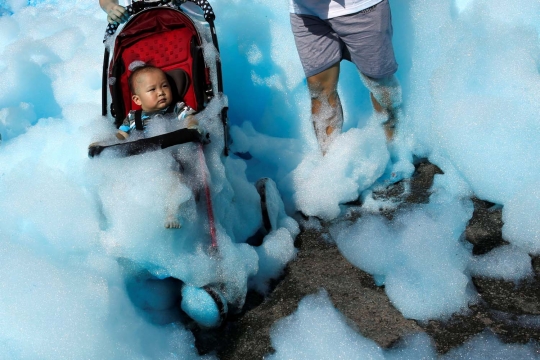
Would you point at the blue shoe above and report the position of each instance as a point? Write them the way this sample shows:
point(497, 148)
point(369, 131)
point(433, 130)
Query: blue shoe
point(205, 306)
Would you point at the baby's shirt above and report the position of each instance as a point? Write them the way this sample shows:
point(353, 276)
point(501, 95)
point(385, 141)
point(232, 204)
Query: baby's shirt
point(181, 111)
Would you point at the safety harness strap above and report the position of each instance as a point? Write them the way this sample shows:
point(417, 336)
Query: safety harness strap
point(138, 120)
point(137, 147)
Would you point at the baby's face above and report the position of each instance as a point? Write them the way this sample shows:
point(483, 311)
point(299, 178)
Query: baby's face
point(152, 90)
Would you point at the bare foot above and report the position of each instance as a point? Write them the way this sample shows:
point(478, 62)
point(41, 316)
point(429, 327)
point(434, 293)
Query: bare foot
point(172, 223)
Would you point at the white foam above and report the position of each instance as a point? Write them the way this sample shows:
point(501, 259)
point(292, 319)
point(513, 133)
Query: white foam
point(521, 226)
point(487, 346)
point(275, 252)
point(505, 262)
point(466, 109)
point(418, 256)
point(316, 330)
point(354, 161)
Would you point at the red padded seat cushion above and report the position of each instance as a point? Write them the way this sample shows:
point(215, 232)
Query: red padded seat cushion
point(159, 37)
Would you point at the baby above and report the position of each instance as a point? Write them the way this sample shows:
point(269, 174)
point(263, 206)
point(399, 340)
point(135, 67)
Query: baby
point(152, 92)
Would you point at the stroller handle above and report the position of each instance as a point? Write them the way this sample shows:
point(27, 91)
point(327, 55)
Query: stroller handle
point(141, 5)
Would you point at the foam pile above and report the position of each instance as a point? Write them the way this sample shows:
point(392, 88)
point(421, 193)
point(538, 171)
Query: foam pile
point(418, 257)
point(473, 104)
point(318, 331)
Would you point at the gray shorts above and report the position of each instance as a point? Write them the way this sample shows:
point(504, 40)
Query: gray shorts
point(365, 38)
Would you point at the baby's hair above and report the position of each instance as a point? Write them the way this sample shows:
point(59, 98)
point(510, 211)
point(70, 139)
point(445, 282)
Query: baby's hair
point(137, 71)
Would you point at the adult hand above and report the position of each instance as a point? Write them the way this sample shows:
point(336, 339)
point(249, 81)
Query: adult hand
point(117, 14)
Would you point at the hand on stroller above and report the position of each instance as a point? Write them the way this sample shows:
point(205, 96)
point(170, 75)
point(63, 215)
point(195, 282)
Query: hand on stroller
point(117, 14)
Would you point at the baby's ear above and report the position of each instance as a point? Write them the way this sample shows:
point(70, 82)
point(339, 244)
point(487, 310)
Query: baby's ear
point(136, 99)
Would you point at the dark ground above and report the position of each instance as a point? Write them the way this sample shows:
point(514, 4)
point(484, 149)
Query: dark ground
point(502, 306)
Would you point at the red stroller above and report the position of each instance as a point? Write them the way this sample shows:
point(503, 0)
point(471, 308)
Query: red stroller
point(169, 34)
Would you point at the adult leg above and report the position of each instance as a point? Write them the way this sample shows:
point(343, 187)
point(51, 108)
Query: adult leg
point(326, 111)
point(319, 49)
point(386, 100)
point(368, 38)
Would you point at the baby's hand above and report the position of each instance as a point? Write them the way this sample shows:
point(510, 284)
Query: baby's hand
point(121, 135)
point(117, 14)
point(172, 223)
point(191, 122)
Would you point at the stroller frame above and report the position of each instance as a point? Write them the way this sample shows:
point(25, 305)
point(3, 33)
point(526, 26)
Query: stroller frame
point(212, 88)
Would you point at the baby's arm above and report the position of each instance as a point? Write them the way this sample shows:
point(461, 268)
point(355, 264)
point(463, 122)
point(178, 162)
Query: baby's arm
point(190, 122)
point(115, 13)
point(127, 125)
point(122, 134)
point(185, 115)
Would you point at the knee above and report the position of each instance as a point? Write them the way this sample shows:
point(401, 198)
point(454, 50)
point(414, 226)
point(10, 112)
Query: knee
point(387, 90)
point(388, 82)
point(319, 87)
point(323, 88)
point(322, 92)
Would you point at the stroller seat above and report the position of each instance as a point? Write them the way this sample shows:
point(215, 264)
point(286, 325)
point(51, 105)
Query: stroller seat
point(167, 34)
point(165, 38)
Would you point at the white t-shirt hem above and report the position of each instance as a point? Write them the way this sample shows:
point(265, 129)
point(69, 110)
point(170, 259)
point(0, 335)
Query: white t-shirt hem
point(302, 10)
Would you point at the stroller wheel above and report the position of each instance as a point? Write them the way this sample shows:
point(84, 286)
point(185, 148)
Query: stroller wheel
point(206, 306)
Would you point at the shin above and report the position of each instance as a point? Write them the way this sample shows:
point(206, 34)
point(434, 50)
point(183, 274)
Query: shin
point(386, 99)
point(326, 111)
